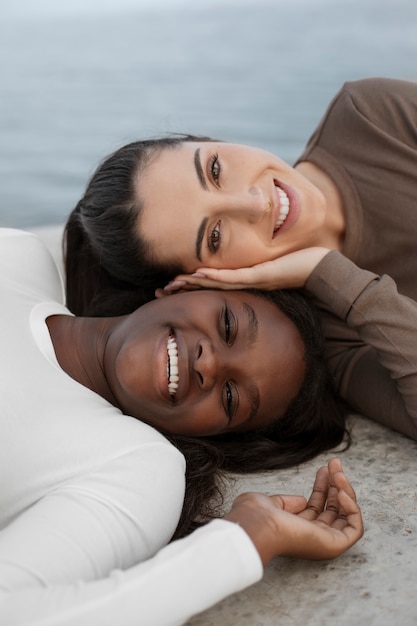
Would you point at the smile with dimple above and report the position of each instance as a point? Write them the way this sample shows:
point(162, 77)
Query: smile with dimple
point(283, 208)
point(172, 365)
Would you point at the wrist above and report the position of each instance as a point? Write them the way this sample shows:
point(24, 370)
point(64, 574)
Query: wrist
point(261, 530)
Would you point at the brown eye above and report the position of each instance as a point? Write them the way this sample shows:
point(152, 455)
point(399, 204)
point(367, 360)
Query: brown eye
point(215, 168)
point(215, 238)
point(230, 326)
point(229, 400)
point(226, 325)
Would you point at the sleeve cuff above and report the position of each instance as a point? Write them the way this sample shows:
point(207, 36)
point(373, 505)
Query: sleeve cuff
point(337, 282)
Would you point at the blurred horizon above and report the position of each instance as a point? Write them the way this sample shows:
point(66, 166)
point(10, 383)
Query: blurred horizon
point(52, 8)
point(79, 78)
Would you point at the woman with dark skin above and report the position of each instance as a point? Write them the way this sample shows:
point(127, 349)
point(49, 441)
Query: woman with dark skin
point(341, 224)
point(91, 494)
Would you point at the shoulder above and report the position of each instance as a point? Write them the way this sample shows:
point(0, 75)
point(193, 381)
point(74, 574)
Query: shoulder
point(14, 239)
point(363, 114)
point(145, 486)
point(134, 454)
point(135, 486)
point(379, 99)
point(139, 459)
point(25, 260)
point(375, 87)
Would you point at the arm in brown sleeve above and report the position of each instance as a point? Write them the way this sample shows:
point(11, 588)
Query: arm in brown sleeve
point(371, 337)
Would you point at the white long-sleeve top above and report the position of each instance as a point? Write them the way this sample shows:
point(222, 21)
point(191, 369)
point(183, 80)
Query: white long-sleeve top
point(89, 497)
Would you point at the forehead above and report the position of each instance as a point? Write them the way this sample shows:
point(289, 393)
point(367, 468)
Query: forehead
point(262, 306)
point(168, 192)
point(276, 361)
point(278, 340)
point(174, 157)
point(197, 305)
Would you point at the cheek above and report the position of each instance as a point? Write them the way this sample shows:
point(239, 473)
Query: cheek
point(286, 380)
point(203, 418)
point(245, 249)
point(292, 376)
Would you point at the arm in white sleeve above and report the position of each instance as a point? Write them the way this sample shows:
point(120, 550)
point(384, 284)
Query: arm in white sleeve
point(184, 578)
point(93, 550)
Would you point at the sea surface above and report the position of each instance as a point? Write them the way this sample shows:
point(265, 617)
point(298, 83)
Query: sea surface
point(75, 86)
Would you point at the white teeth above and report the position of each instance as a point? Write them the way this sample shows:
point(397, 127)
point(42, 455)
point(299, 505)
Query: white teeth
point(172, 366)
point(284, 208)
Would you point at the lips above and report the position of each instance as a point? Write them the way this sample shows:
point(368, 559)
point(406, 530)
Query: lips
point(282, 209)
point(172, 365)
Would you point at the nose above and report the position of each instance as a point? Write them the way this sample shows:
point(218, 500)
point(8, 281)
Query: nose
point(250, 205)
point(205, 364)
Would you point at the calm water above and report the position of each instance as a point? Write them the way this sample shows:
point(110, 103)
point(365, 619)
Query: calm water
point(73, 89)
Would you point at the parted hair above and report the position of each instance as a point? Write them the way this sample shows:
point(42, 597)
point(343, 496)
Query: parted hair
point(104, 253)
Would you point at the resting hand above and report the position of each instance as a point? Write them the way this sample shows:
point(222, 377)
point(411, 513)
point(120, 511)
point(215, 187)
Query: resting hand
point(287, 272)
point(322, 528)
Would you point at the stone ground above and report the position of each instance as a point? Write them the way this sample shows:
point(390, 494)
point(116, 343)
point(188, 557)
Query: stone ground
point(373, 584)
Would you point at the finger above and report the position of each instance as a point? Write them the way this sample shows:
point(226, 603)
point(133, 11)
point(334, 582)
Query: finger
point(259, 275)
point(332, 504)
point(239, 275)
point(334, 465)
point(175, 285)
point(341, 481)
point(318, 497)
point(183, 288)
point(353, 528)
point(336, 515)
point(337, 480)
point(161, 293)
point(292, 504)
point(336, 469)
point(196, 282)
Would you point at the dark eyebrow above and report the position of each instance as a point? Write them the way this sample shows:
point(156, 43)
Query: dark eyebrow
point(202, 181)
point(253, 326)
point(253, 323)
point(254, 401)
point(199, 240)
point(199, 169)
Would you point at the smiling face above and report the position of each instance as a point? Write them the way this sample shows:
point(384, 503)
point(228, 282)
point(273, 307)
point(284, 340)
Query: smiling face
point(210, 204)
point(204, 363)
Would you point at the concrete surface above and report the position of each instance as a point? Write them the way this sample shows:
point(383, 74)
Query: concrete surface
point(373, 584)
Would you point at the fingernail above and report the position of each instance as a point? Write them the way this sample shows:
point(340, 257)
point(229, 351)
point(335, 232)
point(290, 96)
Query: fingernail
point(176, 284)
point(198, 275)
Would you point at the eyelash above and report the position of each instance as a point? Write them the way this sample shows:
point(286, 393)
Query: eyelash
point(215, 235)
point(229, 332)
point(215, 238)
point(215, 169)
point(229, 401)
point(227, 325)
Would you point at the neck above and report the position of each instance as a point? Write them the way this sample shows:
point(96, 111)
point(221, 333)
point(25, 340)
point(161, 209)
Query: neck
point(332, 234)
point(79, 344)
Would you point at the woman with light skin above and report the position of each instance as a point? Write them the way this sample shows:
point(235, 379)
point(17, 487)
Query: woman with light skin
point(341, 224)
point(91, 492)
